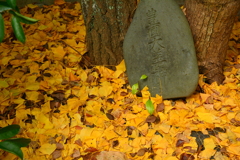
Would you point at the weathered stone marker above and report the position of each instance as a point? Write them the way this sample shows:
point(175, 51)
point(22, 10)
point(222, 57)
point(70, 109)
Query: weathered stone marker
point(159, 44)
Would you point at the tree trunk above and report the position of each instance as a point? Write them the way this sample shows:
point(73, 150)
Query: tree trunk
point(107, 22)
point(211, 22)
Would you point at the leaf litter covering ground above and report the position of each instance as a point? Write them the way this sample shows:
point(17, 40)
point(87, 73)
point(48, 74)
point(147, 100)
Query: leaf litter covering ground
point(73, 113)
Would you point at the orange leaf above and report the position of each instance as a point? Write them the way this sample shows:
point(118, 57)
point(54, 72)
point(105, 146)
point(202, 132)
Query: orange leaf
point(234, 149)
point(72, 77)
point(204, 97)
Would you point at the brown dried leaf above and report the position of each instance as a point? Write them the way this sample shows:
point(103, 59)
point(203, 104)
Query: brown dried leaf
point(76, 153)
point(91, 149)
point(237, 66)
point(58, 95)
point(115, 143)
point(186, 156)
point(111, 100)
point(160, 107)
point(235, 122)
point(128, 100)
point(56, 154)
point(130, 130)
point(116, 113)
point(190, 149)
point(180, 143)
point(109, 116)
point(123, 93)
point(55, 104)
point(91, 78)
point(79, 142)
point(133, 154)
point(92, 96)
point(151, 118)
point(59, 146)
point(141, 151)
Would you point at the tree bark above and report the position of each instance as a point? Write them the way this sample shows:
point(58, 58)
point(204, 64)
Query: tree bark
point(107, 22)
point(211, 22)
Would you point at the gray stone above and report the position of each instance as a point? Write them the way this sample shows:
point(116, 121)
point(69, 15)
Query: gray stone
point(159, 44)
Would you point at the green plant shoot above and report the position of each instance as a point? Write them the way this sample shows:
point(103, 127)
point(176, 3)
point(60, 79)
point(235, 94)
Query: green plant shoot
point(144, 76)
point(150, 107)
point(135, 88)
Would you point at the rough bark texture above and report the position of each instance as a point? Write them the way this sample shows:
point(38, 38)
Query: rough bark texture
point(211, 22)
point(107, 22)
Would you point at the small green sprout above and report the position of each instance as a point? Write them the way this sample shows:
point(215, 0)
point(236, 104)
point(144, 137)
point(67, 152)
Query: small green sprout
point(135, 87)
point(150, 107)
point(144, 76)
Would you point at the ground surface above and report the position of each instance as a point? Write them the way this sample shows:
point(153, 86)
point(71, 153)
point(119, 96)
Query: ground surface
point(70, 112)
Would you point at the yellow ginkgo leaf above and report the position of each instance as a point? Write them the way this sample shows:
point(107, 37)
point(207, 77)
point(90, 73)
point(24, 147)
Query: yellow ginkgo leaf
point(105, 90)
point(47, 148)
point(58, 52)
